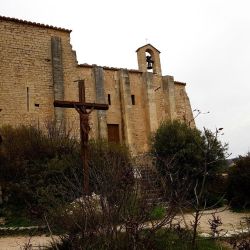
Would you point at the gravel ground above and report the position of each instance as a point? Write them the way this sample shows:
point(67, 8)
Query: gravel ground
point(231, 222)
point(19, 242)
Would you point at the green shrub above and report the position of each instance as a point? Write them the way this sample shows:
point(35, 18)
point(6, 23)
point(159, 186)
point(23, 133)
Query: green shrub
point(239, 183)
point(41, 169)
point(161, 240)
point(157, 213)
point(188, 159)
point(180, 240)
point(33, 163)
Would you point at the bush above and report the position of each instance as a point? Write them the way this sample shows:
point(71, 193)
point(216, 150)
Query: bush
point(162, 240)
point(176, 143)
point(31, 163)
point(157, 213)
point(113, 216)
point(239, 183)
point(40, 169)
point(111, 171)
point(188, 159)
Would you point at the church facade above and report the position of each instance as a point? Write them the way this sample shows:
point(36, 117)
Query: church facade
point(38, 66)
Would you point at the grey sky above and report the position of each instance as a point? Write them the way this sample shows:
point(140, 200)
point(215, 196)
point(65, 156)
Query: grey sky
point(205, 43)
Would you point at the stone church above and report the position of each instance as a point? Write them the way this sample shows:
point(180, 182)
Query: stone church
point(38, 66)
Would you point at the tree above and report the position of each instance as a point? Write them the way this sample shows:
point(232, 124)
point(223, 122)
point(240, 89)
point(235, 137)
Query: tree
point(176, 143)
point(187, 154)
point(239, 183)
point(188, 160)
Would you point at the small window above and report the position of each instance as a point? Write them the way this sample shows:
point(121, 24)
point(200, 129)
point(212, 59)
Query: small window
point(28, 98)
point(133, 99)
point(109, 99)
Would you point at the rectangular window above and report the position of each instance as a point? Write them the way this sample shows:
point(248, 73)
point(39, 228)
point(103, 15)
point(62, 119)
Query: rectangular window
point(109, 99)
point(28, 98)
point(133, 99)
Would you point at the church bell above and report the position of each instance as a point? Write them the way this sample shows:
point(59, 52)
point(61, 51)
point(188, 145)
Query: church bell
point(150, 62)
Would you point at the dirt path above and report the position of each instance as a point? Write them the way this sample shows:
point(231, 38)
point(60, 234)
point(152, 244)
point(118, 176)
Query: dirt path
point(230, 220)
point(18, 242)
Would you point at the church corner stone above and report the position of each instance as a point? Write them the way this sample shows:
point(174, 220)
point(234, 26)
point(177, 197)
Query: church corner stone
point(57, 71)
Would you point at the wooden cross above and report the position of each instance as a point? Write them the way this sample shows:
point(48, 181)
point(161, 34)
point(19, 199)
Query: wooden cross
point(81, 107)
point(1, 140)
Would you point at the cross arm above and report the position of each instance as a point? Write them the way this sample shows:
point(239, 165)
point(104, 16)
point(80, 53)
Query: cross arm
point(87, 105)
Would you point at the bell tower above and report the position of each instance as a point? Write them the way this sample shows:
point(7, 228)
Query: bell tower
point(149, 59)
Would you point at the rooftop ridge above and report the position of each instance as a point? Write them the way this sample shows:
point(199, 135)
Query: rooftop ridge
point(106, 67)
point(149, 44)
point(181, 83)
point(16, 20)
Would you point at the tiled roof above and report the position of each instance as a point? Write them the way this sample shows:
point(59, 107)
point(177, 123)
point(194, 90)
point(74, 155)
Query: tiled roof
point(10, 19)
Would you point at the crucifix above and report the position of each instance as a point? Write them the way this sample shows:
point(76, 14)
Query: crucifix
point(84, 109)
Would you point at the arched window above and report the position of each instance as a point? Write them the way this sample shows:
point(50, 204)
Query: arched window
point(150, 60)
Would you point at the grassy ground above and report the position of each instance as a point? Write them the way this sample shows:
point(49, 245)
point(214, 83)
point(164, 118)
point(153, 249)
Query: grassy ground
point(163, 240)
point(172, 241)
point(19, 222)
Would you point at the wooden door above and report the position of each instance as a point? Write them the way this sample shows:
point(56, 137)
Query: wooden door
point(113, 133)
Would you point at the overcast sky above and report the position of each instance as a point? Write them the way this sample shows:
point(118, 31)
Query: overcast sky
point(205, 43)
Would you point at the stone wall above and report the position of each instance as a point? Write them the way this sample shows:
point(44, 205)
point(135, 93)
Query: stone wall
point(27, 88)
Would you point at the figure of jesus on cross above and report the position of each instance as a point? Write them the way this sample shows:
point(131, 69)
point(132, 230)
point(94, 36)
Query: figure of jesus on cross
point(84, 109)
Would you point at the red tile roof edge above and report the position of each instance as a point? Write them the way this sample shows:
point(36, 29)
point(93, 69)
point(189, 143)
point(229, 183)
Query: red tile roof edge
point(32, 23)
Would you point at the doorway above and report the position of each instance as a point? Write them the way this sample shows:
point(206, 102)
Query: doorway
point(113, 133)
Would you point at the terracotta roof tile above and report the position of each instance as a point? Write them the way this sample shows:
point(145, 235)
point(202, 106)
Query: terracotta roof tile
point(10, 19)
